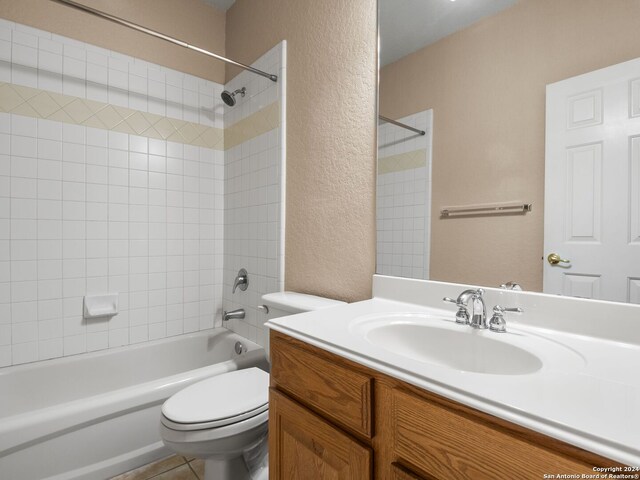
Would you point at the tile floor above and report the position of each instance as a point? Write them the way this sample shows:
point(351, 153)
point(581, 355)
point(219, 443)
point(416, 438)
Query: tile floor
point(170, 468)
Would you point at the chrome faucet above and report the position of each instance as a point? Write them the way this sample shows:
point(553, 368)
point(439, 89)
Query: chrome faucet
point(462, 315)
point(237, 314)
point(241, 281)
point(478, 317)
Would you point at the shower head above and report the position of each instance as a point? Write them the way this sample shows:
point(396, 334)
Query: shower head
point(230, 98)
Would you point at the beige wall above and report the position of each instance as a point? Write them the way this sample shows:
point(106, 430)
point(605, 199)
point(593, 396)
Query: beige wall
point(331, 129)
point(190, 20)
point(486, 85)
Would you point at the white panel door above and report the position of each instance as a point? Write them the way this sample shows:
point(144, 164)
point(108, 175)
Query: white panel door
point(592, 185)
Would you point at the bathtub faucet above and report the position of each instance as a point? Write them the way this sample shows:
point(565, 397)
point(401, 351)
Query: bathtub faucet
point(233, 314)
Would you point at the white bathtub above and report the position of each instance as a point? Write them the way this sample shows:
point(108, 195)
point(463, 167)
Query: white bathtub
point(97, 415)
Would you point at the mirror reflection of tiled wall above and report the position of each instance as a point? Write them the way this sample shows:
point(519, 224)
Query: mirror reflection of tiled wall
point(403, 200)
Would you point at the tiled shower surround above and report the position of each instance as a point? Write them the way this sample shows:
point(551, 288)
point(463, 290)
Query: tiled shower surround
point(253, 236)
point(404, 197)
point(112, 179)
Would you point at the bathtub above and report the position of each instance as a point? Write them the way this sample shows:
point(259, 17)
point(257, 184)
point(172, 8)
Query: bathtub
point(96, 415)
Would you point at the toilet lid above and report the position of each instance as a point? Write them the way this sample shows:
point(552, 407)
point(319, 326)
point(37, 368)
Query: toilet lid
point(219, 400)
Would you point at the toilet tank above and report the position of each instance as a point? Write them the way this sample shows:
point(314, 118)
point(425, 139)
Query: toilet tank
point(281, 304)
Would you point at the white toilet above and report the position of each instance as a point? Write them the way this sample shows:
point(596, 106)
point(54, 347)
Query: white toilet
point(224, 419)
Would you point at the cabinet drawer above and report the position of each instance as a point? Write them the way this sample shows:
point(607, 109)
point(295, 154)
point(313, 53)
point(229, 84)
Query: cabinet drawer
point(451, 444)
point(339, 393)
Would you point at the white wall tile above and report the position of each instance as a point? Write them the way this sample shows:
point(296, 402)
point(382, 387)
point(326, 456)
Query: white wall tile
point(5, 50)
point(118, 158)
point(97, 230)
point(23, 270)
point(73, 172)
point(118, 176)
point(24, 126)
point(24, 292)
point(21, 75)
point(50, 62)
point(25, 167)
point(24, 187)
point(50, 149)
point(49, 209)
point(22, 229)
point(49, 169)
point(118, 141)
point(24, 352)
point(5, 166)
point(87, 210)
point(23, 55)
point(23, 208)
point(73, 152)
point(74, 344)
point(49, 269)
point(96, 155)
point(51, 348)
point(17, 312)
point(97, 174)
point(5, 356)
point(73, 191)
point(97, 341)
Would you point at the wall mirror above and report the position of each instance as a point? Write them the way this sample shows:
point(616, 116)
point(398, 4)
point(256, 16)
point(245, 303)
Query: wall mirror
point(522, 163)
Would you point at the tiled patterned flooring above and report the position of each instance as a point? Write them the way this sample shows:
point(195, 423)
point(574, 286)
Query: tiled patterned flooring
point(169, 468)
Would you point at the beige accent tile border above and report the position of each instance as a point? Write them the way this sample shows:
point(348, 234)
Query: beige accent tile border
point(402, 161)
point(262, 121)
point(33, 102)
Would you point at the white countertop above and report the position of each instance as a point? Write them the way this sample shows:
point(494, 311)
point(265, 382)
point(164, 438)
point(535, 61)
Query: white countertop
point(593, 403)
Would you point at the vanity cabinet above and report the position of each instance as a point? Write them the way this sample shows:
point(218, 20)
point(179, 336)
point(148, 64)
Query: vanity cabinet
point(333, 418)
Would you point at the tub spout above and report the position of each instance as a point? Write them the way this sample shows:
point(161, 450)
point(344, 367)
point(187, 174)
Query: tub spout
point(233, 314)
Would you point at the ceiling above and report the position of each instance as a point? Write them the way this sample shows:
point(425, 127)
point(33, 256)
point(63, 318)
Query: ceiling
point(220, 4)
point(409, 25)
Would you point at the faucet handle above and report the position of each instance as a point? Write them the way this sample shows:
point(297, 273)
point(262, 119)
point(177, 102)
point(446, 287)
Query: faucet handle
point(498, 323)
point(500, 308)
point(511, 286)
point(462, 315)
point(241, 281)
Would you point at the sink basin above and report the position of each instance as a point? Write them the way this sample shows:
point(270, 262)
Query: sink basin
point(434, 340)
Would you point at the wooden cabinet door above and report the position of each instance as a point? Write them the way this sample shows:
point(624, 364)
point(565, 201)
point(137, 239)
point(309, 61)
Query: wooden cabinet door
point(400, 473)
point(304, 446)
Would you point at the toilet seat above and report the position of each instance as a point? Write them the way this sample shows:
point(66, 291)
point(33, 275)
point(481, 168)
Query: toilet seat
point(222, 422)
point(218, 401)
point(234, 436)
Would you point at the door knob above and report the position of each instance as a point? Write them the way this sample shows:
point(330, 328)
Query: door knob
point(554, 259)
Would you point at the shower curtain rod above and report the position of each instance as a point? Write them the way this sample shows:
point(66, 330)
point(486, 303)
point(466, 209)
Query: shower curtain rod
point(388, 120)
point(153, 33)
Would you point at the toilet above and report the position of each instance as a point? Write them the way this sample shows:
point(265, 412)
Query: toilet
point(224, 419)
